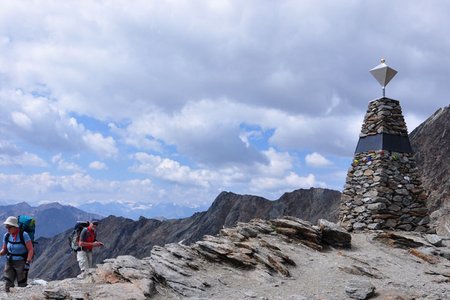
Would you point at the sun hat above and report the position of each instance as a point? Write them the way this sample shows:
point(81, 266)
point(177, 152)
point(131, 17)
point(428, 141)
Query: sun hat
point(12, 221)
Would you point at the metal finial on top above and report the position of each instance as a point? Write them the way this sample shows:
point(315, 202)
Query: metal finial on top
point(383, 74)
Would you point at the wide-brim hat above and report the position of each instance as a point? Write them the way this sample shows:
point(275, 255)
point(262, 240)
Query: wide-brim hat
point(12, 221)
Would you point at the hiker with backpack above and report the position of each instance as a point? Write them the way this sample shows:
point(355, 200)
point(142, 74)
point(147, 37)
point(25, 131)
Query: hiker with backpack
point(87, 241)
point(18, 248)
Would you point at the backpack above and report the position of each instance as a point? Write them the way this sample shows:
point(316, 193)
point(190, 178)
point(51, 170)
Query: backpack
point(74, 236)
point(26, 224)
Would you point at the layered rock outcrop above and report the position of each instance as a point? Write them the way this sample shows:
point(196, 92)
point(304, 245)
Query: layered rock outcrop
point(383, 189)
point(127, 237)
point(285, 258)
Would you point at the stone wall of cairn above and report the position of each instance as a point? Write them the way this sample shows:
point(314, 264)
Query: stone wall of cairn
point(384, 116)
point(383, 188)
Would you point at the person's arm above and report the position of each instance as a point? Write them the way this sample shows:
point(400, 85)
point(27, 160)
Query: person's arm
point(30, 249)
point(94, 244)
point(4, 250)
point(95, 241)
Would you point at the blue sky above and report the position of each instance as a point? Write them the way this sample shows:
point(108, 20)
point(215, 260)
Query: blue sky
point(175, 101)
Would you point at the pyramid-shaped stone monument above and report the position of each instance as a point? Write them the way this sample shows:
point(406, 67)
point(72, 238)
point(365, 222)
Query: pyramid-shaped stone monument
point(383, 188)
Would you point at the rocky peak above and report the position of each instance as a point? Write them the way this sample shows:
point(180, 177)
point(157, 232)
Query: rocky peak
point(52, 205)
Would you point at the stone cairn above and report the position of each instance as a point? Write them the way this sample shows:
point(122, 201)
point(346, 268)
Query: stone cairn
point(383, 189)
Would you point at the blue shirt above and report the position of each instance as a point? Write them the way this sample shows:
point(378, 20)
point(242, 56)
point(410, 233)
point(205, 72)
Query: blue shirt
point(17, 248)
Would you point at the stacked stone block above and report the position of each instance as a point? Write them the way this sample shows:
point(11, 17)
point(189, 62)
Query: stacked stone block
point(384, 116)
point(383, 189)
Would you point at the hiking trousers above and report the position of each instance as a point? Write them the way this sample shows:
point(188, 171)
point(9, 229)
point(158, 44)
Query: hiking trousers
point(84, 259)
point(14, 270)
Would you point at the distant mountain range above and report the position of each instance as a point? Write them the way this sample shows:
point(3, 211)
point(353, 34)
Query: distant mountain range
point(124, 236)
point(135, 210)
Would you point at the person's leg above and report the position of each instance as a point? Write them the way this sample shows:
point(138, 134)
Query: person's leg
point(89, 256)
point(21, 275)
point(82, 261)
point(9, 275)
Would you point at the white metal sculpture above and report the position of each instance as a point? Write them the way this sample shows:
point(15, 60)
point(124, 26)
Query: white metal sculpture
point(383, 74)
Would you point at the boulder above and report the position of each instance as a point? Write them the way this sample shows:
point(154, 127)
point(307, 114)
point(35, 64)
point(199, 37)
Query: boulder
point(360, 290)
point(334, 235)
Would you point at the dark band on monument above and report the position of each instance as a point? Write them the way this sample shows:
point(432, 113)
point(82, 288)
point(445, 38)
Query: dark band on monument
point(384, 141)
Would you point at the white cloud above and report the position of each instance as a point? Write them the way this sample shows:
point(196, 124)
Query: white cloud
point(279, 176)
point(21, 120)
point(279, 163)
point(327, 134)
point(200, 131)
point(11, 155)
point(63, 165)
point(170, 170)
point(316, 160)
point(287, 183)
point(37, 120)
point(138, 137)
point(77, 188)
point(239, 50)
point(267, 179)
point(103, 146)
point(24, 160)
point(98, 165)
point(213, 137)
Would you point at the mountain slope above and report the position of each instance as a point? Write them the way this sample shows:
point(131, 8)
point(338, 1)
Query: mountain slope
point(431, 143)
point(124, 236)
point(230, 208)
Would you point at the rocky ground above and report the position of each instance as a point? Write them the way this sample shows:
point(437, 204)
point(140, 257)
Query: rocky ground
point(284, 258)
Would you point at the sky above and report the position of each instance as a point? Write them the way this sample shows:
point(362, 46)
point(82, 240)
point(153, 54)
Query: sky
point(154, 102)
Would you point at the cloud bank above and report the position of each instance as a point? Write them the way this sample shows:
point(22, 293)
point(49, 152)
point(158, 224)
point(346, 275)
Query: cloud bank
point(175, 101)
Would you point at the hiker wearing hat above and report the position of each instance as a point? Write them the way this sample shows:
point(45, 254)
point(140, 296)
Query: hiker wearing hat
point(88, 240)
point(18, 248)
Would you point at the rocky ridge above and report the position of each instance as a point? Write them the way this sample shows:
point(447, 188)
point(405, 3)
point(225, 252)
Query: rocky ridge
point(123, 236)
point(284, 258)
point(431, 144)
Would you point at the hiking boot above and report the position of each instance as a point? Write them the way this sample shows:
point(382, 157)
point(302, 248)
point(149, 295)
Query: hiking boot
point(7, 289)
